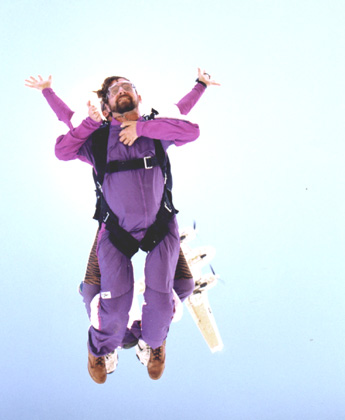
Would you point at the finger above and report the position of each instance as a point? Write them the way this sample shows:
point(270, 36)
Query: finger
point(125, 141)
point(88, 104)
point(132, 141)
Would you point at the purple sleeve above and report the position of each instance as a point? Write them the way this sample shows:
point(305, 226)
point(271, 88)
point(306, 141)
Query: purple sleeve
point(61, 110)
point(188, 101)
point(179, 132)
point(74, 144)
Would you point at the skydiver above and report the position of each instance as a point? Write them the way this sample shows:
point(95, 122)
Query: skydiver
point(91, 281)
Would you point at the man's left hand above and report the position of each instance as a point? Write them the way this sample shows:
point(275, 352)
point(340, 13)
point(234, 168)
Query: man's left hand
point(128, 133)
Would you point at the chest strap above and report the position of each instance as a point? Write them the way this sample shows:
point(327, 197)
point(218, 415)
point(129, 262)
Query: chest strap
point(147, 162)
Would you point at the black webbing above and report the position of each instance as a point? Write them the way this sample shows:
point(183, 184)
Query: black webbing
point(119, 237)
point(127, 165)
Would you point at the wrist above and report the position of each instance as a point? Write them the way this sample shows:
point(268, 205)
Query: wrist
point(202, 83)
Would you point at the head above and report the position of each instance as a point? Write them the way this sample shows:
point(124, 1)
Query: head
point(118, 95)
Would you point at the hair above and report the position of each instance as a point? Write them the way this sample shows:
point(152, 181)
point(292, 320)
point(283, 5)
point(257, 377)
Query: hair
point(103, 92)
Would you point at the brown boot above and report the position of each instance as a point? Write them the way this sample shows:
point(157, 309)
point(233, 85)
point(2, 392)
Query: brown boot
point(156, 364)
point(97, 369)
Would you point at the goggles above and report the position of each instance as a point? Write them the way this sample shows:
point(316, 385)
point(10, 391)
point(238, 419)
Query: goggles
point(115, 88)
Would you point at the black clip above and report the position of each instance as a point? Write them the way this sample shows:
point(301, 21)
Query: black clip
point(153, 114)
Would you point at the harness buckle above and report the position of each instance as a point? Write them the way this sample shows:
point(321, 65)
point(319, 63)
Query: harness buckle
point(106, 217)
point(146, 164)
point(99, 186)
point(168, 208)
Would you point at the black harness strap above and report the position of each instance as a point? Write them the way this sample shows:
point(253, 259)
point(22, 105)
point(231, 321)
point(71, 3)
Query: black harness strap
point(124, 241)
point(99, 148)
point(147, 162)
point(118, 236)
point(160, 228)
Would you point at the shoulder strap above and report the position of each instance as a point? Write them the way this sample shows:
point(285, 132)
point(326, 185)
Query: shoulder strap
point(164, 163)
point(99, 146)
point(99, 150)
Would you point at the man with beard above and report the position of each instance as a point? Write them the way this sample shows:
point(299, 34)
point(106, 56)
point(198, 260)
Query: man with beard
point(183, 283)
point(134, 196)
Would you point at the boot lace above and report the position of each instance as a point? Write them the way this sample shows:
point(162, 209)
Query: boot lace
point(100, 361)
point(157, 353)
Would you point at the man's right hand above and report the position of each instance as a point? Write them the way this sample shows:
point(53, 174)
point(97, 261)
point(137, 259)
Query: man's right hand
point(39, 84)
point(93, 112)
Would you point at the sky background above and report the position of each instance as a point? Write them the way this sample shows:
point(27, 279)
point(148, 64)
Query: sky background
point(264, 182)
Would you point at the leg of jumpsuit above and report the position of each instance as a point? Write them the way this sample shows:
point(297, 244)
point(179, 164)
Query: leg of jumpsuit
point(183, 285)
point(160, 267)
point(116, 298)
point(90, 287)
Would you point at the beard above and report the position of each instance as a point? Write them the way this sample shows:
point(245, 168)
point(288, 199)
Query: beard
point(123, 104)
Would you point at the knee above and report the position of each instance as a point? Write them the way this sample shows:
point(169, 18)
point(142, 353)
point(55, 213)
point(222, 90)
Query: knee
point(88, 292)
point(110, 314)
point(163, 302)
point(184, 287)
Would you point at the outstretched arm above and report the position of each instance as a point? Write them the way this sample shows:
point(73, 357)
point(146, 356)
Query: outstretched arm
point(189, 101)
point(62, 111)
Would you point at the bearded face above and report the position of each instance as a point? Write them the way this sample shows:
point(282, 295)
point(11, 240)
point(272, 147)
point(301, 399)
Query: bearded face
point(123, 103)
point(122, 97)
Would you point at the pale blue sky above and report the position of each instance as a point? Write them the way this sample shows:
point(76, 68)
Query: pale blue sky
point(265, 183)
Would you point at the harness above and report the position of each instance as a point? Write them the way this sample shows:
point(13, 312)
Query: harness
point(118, 236)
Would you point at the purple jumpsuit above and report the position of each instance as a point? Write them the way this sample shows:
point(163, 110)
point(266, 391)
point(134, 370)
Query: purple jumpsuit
point(135, 197)
point(183, 281)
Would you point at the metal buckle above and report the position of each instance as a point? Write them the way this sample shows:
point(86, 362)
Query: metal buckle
point(145, 162)
point(168, 208)
point(99, 186)
point(106, 217)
